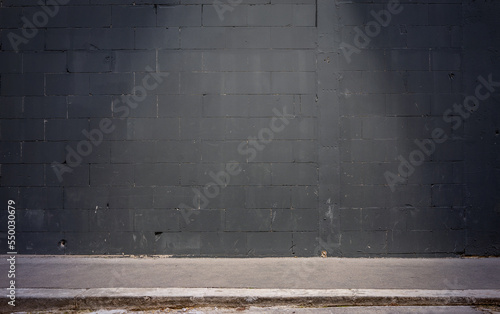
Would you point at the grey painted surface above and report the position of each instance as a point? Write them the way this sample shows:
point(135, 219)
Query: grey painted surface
point(153, 282)
point(441, 275)
point(139, 105)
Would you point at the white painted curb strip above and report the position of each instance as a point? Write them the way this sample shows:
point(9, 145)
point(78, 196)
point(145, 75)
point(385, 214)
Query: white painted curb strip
point(251, 293)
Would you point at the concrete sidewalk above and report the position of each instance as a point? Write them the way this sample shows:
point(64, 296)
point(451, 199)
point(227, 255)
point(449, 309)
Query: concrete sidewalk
point(67, 282)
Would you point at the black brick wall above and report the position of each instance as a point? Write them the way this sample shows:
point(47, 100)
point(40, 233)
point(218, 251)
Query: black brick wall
point(252, 127)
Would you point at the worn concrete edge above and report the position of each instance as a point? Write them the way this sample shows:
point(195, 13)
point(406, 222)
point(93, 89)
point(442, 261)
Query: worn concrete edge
point(28, 257)
point(148, 298)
